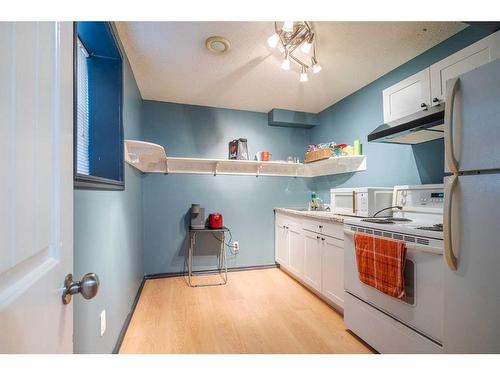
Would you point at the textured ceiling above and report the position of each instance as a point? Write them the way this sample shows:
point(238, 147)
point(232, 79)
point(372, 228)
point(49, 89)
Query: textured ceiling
point(170, 61)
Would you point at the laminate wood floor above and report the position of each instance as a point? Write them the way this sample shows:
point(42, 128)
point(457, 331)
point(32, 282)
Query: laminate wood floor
point(258, 311)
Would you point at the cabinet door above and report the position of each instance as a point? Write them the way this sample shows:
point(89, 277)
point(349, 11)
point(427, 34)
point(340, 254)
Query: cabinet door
point(281, 245)
point(472, 57)
point(312, 260)
point(296, 251)
point(407, 97)
point(333, 270)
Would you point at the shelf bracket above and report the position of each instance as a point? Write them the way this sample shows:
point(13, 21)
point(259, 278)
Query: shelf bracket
point(257, 173)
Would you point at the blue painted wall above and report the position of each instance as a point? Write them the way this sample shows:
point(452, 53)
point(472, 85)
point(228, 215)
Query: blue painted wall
point(108, 241)
point(357, 115)
point(246, 202)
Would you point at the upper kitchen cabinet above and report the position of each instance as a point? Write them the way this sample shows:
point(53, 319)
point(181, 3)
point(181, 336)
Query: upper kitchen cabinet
point(471, 57)
point(427, 88)
point(407, 97)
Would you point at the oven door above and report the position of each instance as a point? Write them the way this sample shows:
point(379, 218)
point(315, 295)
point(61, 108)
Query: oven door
point(343, 202)
point(422, 308)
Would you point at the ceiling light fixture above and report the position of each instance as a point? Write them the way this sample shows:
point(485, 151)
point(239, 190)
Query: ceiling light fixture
point(288, 38)
point(303, 75)
point(315, 66)
point(286, 63)
point(218, 44)
point(288, 27)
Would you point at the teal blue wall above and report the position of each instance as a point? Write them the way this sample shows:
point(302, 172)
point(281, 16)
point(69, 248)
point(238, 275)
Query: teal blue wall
point(246, 202)
point(108, 241)
point(357, 115)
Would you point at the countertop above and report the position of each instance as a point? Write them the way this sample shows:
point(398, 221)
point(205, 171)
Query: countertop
point(322, 215)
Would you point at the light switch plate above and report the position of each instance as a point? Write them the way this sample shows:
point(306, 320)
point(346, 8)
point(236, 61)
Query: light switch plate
point(103, 322)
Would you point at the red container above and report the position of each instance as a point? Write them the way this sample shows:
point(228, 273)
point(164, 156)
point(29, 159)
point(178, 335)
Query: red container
point(215, 221)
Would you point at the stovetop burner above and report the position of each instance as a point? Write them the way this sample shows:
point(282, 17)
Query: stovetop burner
point(378, 221)
point(434, 228)
point(401, 219)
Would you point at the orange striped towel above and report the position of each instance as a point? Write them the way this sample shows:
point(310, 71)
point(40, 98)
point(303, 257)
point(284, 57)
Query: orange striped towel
point(381, 263)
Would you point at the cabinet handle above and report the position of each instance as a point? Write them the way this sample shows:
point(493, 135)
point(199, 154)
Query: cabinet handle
point(321, 226)
point(322, 239)
point(424, 106)
point(317, 237)
point(435, 100)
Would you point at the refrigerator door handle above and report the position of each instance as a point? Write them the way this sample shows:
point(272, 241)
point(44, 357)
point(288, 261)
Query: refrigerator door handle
point(448, 125)
point(449, 254)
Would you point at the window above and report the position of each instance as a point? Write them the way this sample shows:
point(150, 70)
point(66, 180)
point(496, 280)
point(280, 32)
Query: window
point(98, 130)
point(82, 110)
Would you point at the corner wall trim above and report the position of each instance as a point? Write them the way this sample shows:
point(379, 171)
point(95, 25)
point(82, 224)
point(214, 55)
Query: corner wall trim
point(121, 336)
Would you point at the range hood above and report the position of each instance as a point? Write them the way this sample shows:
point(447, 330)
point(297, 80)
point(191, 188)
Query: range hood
point(420, 127)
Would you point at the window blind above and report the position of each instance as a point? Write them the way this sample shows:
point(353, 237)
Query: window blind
point(82, 94)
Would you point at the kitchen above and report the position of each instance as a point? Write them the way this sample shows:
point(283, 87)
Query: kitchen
point(240, 205)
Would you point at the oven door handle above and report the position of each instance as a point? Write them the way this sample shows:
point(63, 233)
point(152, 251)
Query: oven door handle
point(409, 245)
point(354, 202)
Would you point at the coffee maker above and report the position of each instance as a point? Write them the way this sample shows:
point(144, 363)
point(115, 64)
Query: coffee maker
point(197, 216)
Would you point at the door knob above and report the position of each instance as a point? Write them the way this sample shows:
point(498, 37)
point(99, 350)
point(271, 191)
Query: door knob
point(87, 287)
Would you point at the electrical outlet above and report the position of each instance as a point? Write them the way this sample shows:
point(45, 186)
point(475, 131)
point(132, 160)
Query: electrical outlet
point(103, 322)
point(236, 246)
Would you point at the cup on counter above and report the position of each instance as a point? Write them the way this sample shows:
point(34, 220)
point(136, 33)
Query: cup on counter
point(263, 156)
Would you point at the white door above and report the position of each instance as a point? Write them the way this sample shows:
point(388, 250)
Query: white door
point(312, 259)
point(281, 244)
point(471, 292)
point(467, 59)
point(296, 251)
point(409, 96)
point(333, 270)
point(36, 188)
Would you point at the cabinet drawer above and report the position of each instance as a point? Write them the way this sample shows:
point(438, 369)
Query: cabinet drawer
point(335, 230)
point(283, 220)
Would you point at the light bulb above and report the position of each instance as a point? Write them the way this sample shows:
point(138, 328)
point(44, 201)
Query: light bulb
point(288, 27)
point(303, 75)
point(285, 64)
point(306, 47)
point(317, 68)
point(273, 40)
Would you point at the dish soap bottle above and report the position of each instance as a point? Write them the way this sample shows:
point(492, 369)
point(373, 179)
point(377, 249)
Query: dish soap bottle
point(314, 204)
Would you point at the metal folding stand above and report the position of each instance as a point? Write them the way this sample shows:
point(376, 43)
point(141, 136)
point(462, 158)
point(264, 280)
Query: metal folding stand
point(221, 257)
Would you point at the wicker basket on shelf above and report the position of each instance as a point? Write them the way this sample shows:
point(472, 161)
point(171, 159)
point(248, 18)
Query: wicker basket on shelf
point(322, 153)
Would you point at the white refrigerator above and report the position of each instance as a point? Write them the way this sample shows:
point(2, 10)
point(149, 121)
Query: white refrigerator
point(472, 212)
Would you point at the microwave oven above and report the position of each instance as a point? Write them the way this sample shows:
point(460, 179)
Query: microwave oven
point(362, 202)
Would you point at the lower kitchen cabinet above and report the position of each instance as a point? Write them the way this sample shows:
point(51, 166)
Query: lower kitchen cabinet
point(281, 244)
point(313, 258)
point(297, 253)
point(332, 286)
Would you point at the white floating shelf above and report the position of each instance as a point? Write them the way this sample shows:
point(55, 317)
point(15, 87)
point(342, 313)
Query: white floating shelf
point(151, 158)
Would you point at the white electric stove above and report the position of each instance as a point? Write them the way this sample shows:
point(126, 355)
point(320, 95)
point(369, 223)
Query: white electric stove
point(413, 324)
